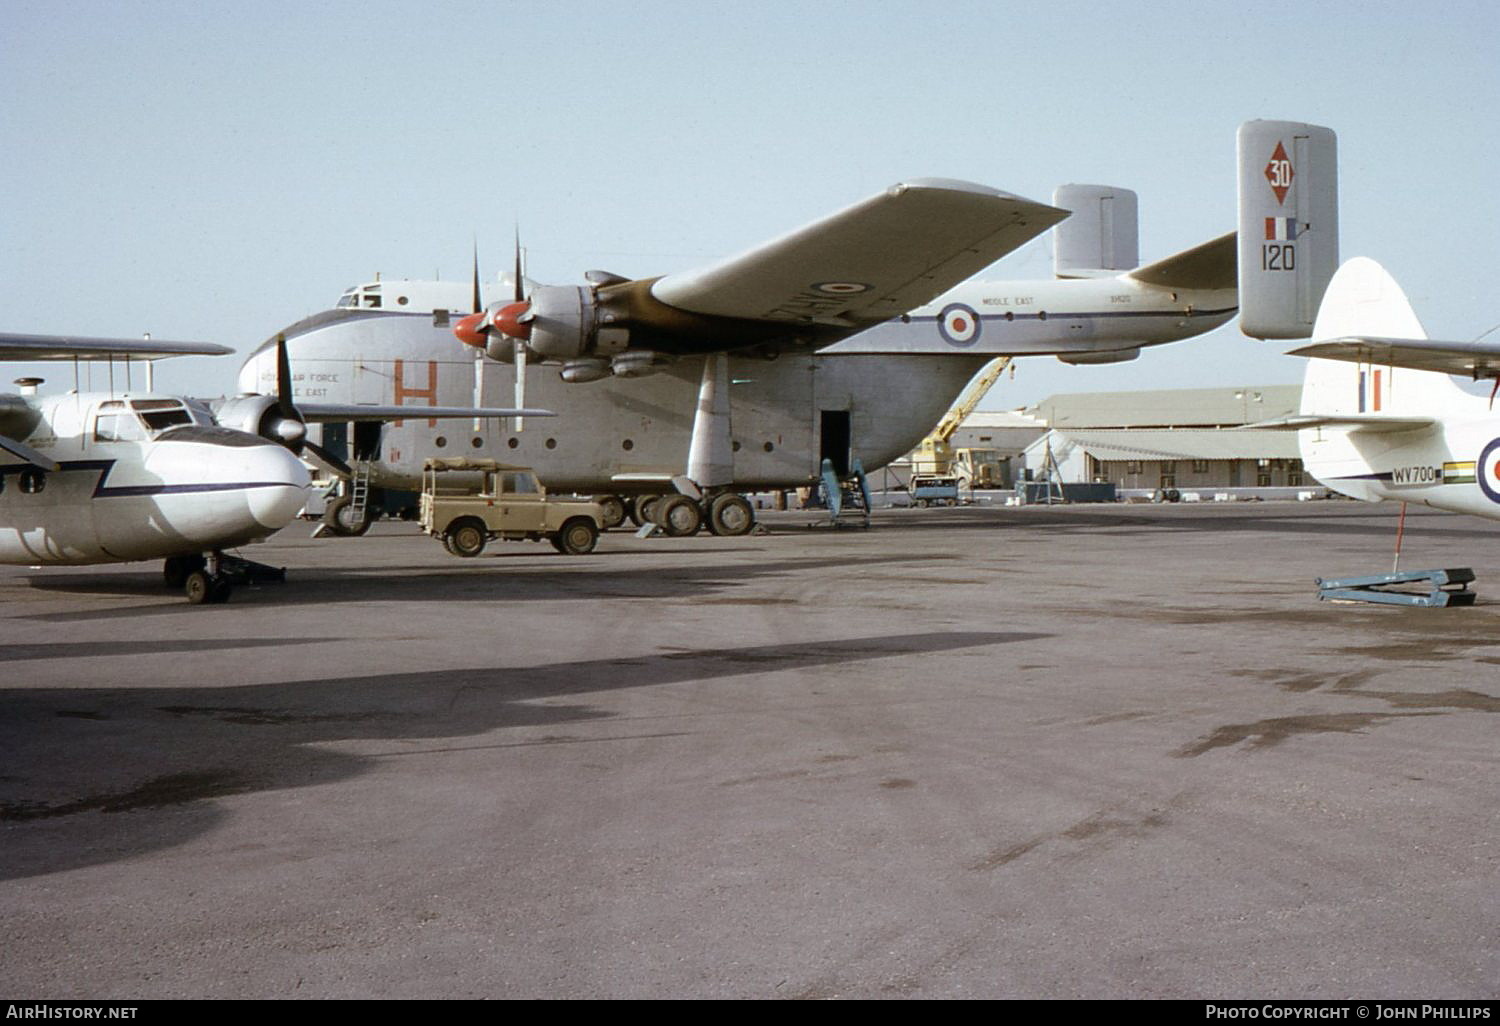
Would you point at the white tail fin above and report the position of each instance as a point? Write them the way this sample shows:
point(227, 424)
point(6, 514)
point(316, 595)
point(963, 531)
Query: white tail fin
point(1364, 300)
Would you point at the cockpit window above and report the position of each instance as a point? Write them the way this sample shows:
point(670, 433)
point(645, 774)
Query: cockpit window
point(160, 414)
point(115, 423)
point(348, 300)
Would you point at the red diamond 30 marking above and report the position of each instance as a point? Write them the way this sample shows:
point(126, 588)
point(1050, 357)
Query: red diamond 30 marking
point(1279, 173)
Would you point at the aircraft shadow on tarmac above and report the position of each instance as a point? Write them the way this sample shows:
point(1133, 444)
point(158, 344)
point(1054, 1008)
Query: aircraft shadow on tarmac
point(91, 775)
point(550, 578)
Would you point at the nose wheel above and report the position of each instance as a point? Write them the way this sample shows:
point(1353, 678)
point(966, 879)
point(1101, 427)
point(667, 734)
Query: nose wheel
point(205, 589)
point(208, 580)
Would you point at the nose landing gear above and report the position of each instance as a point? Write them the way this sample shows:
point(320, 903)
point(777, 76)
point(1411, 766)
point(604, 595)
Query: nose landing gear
point(209, 578)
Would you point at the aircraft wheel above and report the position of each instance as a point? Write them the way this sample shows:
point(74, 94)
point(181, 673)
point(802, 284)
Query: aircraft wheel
point(678, 515)
point(577, 537)
point(614, 510)
point(641, 509)
point(467, 537)
point(203, 589)
point(730, 515)
point(340, 515)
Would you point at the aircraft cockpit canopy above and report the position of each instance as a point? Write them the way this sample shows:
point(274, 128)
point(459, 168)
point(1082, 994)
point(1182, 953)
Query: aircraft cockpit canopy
point(119, 420)
point(410, 296)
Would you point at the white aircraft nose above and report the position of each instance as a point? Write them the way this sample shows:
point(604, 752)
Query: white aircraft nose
point(282, 482)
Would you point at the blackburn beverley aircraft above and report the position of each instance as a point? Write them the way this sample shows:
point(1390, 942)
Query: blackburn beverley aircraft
point(119, 476)
point(844, 340)
point(1384, 415)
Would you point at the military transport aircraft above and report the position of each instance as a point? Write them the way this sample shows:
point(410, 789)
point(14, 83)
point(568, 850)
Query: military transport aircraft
point(1383, 416)
point(118, 476)
point(845, 339)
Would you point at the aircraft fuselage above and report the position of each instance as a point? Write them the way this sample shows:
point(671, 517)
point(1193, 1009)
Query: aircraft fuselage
point(124, 492)
point(872, 396)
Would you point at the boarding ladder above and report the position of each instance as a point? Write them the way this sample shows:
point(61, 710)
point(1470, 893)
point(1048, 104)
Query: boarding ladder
point(359, 491)
point(848, 497)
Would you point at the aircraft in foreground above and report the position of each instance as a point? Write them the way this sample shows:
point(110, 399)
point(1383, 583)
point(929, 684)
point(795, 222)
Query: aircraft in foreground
point(110, 477)
point(1383, 415)
point(846, 339)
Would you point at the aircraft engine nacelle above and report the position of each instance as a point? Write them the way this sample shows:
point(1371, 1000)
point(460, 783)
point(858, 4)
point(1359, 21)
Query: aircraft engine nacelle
point(637, 363)
point(260, 415)
point(576, 372)
point(503, 349)
point(565, 324)
point(1105, 356)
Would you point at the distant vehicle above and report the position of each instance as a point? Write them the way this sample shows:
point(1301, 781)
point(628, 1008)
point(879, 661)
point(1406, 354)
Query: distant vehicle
point(979, 468)
point(1383, 416)
point(933, 490)
point(466, 503)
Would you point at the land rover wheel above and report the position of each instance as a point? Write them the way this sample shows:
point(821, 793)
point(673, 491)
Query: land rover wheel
point(577, 537)
point(466, 537)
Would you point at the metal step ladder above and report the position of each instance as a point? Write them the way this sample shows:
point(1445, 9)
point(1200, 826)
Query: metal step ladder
point(359, 490)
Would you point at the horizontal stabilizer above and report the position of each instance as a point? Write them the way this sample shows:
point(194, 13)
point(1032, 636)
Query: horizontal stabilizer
point(1371, 422)
point(1208, 266)
point(875, 260)
point(330, 413)
point(16, 346)
point(1469, 359)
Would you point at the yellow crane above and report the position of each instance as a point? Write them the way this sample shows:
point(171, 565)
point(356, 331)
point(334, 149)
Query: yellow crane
point(934, 457)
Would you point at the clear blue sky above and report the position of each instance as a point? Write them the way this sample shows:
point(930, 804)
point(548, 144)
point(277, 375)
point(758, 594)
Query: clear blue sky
point(217, 170)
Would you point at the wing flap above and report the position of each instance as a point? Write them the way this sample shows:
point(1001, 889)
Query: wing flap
point(1211, 265)
point(19, 346)
point(875, 260)
point(1469, 359)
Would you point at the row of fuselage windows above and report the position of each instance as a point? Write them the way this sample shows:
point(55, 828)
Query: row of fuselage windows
point(441, 441)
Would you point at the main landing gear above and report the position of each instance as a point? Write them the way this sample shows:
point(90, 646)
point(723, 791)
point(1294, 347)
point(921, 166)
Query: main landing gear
point(679, 516)
point(208, 579)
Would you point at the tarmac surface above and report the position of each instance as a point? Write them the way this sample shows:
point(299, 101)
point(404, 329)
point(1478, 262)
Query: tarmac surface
point(1088, 751)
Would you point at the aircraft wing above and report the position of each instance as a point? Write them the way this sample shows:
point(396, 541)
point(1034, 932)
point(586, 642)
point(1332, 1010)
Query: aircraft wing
point(16, 346)
point(868, 263)
point(1212, 265)
point(323, 413)
point(1471, 359)
point(1374, 422)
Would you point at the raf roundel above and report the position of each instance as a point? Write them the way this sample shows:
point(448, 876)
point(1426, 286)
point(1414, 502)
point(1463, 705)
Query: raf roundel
point(841, 288)
point(959, 325)
point(1489, 471)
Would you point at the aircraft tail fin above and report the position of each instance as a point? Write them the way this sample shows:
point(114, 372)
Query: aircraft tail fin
point(1102, 234)
point(1354, 405)
point(1209, 265)
point(1289, 225)
point(1364, 300)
